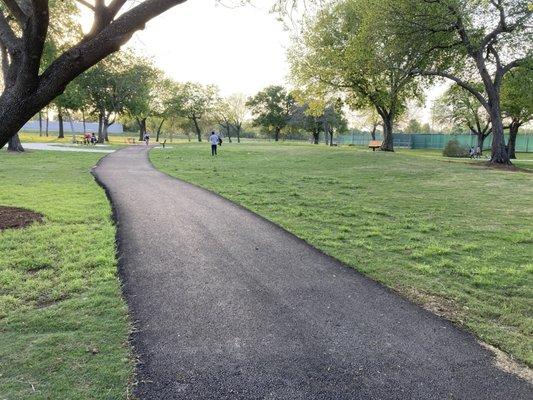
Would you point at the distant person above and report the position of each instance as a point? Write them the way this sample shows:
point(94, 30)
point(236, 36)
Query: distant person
point(147, 138)
point(215, 141)
point(478, 152)
point(472, 152)
point(86, 138)
point(93, 139)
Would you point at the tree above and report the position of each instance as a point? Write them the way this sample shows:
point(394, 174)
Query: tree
point(24, 28)
point(465, 41)
point(345, 49)
point(162, 93)
point(64, 30)
point(74, 98)
point(271, 108)
point(459, 107)
point(413, 126)
point(222, 116)
point(138, 85)
point(236, 106)
point(193, 101)
point(517, 101)
point(316, 113)
point(303, 117)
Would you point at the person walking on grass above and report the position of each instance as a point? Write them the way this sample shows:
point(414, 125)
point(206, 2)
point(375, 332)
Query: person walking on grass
point(215, 140)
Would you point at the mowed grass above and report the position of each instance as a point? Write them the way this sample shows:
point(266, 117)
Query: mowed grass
point(63, 323)
point(453, 237)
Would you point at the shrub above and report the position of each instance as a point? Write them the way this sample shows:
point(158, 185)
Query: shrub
point(454, 149)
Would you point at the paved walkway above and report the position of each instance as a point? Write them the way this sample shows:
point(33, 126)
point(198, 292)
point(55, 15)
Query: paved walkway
point(229, 306)
point(67, 147)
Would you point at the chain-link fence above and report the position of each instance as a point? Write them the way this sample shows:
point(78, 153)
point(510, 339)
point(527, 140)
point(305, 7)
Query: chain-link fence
point(432, 141)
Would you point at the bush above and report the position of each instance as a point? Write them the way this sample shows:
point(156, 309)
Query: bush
point(454, 149)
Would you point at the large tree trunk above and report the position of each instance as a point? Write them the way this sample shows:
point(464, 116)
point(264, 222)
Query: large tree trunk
point(238, 133)
point(101, 128)
point(373, 131)
point(159, 130)
point(228, 131)
point(60, 120)
point(276, 134)
point(105, 127)
point(14, 144)
point(331, 137)
point(511, 144)
point(316, 137)
point(197, 128)
point(83, 120)
point(480, 140)
point(499, 153)
point(47, 122)
point(142, 128)
point(388, 123)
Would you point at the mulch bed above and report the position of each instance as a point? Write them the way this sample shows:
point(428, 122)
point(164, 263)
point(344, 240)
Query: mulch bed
point(16, 218)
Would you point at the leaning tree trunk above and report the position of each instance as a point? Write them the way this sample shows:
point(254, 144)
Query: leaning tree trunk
point(159, 130)
point(511, 144)
point(197, 128)
point(373, 131)
point(388, 143)
point(14, 144)
point(61, 127)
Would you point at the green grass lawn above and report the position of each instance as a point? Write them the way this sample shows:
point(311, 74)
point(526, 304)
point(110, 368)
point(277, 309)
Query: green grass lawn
point(63, 323)
point(452, 236)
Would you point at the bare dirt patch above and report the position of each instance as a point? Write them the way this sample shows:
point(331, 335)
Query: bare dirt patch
point(16, 218)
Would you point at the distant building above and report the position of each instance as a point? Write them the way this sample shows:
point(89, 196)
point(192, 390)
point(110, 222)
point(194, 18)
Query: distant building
point(75, 127)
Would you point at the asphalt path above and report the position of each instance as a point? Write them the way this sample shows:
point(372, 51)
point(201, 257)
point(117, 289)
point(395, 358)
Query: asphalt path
point(229, 306)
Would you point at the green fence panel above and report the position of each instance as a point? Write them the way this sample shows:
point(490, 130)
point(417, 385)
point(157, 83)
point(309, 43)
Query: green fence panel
point(432, 141)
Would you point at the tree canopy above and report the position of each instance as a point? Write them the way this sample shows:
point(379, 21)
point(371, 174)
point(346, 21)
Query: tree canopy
point(271, 108)
point(345, 50)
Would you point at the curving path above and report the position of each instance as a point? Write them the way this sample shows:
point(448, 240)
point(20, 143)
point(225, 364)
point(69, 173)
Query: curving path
point(229, 306)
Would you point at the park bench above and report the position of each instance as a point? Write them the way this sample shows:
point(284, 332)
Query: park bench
point(374, 144)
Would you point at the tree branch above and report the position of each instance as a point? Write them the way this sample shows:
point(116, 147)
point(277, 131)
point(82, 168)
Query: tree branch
point(457, 80)
point(86, 4)
point(7, 36)
point(16, 11)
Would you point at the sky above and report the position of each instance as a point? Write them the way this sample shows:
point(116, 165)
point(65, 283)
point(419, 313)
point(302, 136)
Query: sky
point(239, 49)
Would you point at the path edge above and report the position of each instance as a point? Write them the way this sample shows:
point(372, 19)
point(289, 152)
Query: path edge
point(133, 356)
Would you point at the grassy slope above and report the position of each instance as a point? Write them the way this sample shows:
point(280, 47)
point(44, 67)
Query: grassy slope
point(454, 237)
point(63, 324)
